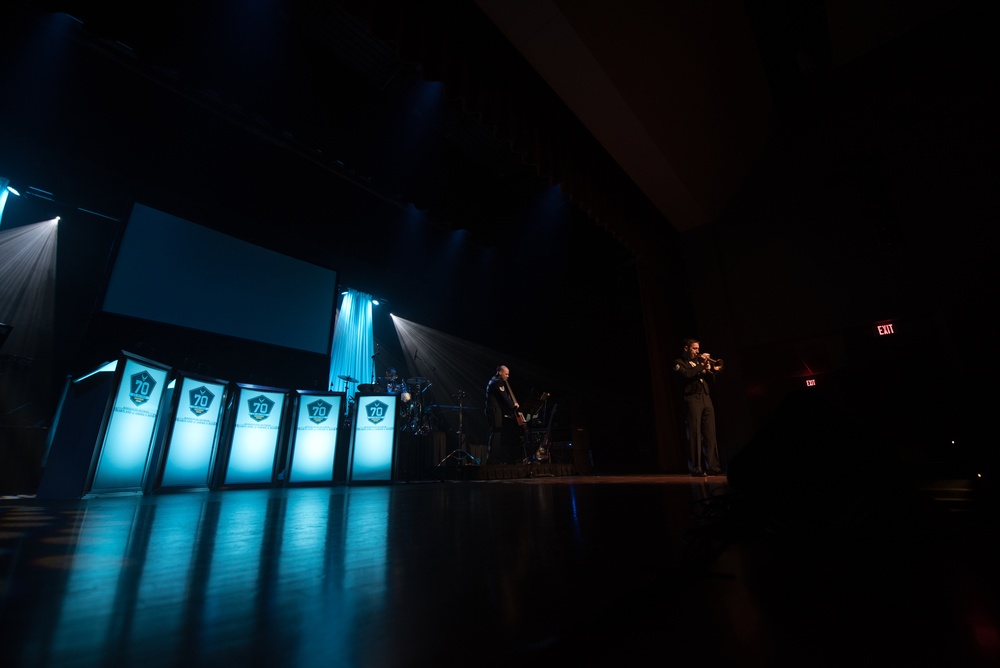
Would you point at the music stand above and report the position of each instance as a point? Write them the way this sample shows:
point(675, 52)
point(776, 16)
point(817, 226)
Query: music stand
point(534, 408)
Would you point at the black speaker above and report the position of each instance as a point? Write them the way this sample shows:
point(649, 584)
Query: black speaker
point(5, 331)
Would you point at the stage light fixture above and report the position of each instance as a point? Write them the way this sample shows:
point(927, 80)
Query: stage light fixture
point(12, 191)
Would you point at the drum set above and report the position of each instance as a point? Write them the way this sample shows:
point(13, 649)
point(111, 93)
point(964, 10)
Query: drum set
point(411, 402)
point(411, 398)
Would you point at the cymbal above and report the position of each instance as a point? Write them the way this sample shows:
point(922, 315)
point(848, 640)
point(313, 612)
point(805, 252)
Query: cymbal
point(349, 379)
point(419, 380)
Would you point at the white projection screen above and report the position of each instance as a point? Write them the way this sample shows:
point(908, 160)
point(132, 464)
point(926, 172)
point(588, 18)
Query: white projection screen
point(173, 271)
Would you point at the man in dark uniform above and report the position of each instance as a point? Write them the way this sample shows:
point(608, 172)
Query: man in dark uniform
point(695, 370)
point(501, 411)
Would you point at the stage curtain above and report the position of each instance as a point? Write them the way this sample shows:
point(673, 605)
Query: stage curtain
point(3, 195)
point(353, 342)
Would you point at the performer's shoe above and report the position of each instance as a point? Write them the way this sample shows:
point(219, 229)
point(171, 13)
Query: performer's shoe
point(716, 473)
point(697, 474)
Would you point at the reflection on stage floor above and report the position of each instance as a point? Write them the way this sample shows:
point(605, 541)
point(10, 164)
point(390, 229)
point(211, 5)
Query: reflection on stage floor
point(522, 571)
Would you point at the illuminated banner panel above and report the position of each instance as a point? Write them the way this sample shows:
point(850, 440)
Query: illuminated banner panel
point(255, 436)
point(374, 438)
point(128, 438)
point(194, 434)
point(315, 438)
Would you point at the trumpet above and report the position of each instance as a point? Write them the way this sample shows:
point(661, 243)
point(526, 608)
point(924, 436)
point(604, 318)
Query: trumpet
point(719, 363)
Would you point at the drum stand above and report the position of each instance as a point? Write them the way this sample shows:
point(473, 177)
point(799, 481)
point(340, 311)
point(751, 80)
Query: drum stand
point(347, 392)
point(458, 453)
point(418, 422)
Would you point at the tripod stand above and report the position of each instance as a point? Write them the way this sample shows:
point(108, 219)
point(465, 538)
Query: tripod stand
point(459, 453)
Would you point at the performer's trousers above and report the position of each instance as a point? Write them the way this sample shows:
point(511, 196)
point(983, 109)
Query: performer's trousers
point(502, 446)
point(703, 451)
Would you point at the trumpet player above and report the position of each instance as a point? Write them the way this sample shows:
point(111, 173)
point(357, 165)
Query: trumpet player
point(694, 370)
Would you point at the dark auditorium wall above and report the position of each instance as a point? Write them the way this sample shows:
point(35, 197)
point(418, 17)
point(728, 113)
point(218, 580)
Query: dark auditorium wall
point(873, 203)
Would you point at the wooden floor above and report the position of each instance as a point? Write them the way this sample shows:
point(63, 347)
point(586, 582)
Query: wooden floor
point(561, 570)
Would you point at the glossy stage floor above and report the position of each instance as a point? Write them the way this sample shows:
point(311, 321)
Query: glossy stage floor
point(545, 570)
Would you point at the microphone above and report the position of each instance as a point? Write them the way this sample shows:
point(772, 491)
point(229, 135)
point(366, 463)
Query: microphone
point(414, 354)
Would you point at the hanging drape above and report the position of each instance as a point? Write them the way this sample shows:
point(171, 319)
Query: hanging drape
point(3, 195)
point(353, 343)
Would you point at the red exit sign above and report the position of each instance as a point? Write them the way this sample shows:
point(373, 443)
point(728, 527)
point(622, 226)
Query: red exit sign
point(884, 328)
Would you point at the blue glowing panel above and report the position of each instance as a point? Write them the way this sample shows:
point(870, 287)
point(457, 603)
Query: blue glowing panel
point(315, 442)
point(255, 437)
point(192, 445)
point(374, 438)
point(128, 438)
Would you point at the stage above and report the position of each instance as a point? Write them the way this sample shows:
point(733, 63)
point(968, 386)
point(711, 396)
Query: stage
point(519, 571)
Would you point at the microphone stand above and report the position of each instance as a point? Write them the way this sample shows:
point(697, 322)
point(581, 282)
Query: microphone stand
point(378, 353)
point(460, 452)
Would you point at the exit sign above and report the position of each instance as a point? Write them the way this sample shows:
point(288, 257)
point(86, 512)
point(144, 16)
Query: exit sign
point(884, 328)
